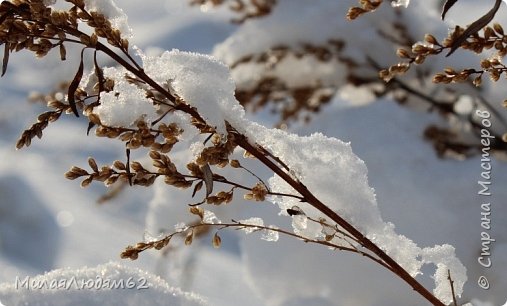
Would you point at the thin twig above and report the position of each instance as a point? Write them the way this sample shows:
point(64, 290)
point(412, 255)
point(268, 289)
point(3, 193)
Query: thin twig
point(239, 225)
point(451, 282)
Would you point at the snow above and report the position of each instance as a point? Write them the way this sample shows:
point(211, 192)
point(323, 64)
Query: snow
point(445, 258)
point(267, 235)
point(110, 281)
point(270, 235)
point(202, 81)
point(400, 3)
point(210, 218)
point(430, 200)
point(206, 84)
point(126, 104)
point(113, 13)
point(252, 221)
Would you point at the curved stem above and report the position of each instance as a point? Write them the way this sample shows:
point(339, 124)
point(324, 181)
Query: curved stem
point(259, 153)
point(316, 203)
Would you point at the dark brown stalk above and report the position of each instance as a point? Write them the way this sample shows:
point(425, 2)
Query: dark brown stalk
point(259, 153)
point(313, 201)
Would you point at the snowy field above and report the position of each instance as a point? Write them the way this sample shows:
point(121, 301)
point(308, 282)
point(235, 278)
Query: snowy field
point(52, 230)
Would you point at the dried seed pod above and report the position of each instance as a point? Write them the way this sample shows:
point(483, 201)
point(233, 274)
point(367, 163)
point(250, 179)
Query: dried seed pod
point(217, 241)
point(86, 182)
point(235, 163)
point(198, 211)
point(93, 164)
point(119, 165)
point(189, 238)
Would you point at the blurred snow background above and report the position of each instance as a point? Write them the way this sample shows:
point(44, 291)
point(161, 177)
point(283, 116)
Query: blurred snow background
point(47, 222)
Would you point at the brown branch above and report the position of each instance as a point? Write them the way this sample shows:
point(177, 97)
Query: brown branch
point(316, 203)
point(255, 150)
point(238, 225)
point(260, 153)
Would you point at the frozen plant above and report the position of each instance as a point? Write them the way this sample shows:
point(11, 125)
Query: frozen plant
point(180, 97)
point(480, 38)
point(290, 62)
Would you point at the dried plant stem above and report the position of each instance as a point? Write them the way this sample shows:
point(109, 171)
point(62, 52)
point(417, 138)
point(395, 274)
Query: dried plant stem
point(262, 154)
point(316, 203)
point(275, 164)
point(239, 225)
point(236, 185)
point(259, 152)
point(451, 282)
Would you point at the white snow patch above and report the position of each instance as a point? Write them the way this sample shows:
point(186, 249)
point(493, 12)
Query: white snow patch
point(202, 81)
point(111, 11)
point(124, 105)
point(158, 292)
point(397, 3)
point(252, 221)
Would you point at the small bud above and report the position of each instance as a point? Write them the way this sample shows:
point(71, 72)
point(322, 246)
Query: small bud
point(119, 165)
point(189, 238)
point(85, 39)
point(136, 166)
point(402, 53)
point(431, 39)
point(419, 59)
point(93, 164)
point(498, 28)
point(198, 211)
point(235, 163)
point(217, 241)
point(63, 52)
point(355, 12)
point(94, 39)
point(86, 182)
point(94, 118)
point(478, 81)
point(485, 64)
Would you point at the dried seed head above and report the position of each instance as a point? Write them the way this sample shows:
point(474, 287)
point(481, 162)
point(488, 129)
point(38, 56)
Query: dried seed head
point(198, 211)
point(131, 253)
point(136, 166)
point(93, 164)
point(119, 165)
point(217, 241)
point(189, 238)
point(355, 12)
point(86, 182)
point(430, 39)
point(498, 28)
point(477, 81)
point(402, 53)
point(235, 163)
point(111, 180)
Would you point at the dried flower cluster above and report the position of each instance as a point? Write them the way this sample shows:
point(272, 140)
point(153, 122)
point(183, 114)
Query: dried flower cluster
point(366, 6)
point(34, 26)
point(492, 38)
point(299, 101)
point(290, 101)
point(245, 8)
point(477, 40)
point(31, 24)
